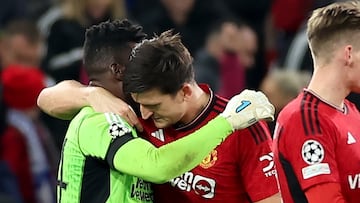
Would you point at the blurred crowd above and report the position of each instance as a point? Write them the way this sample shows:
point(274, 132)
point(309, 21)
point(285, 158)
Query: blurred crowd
point(235, 44)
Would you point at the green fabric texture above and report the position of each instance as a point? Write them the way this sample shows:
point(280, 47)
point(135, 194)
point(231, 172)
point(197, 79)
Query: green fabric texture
point(159, 165)
point(89, 137)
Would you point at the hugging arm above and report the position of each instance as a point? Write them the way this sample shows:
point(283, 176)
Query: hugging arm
point(65, 99)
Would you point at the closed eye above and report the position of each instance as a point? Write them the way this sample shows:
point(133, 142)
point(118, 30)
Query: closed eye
point(151, 106)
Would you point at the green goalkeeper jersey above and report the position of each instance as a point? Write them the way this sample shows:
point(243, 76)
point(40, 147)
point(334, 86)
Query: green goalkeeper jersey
point(103, 160)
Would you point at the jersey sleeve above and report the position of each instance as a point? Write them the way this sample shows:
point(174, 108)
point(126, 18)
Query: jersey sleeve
point(311, 152)
point(256, 164)
point(102, 134)
point(140, 158)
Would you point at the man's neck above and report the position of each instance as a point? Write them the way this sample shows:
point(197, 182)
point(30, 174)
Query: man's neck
point(113, 88)
point(197, 103)
point(330, 85)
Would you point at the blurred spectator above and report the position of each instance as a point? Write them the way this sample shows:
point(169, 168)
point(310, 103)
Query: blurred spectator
point(281, 86)
point(229, 50)
point(21, 43)
point(17, 43)
point(26, 144)
point(66, 36)
point(191, 18)
point(254, 13)
point(51, 15)
point(9, 188)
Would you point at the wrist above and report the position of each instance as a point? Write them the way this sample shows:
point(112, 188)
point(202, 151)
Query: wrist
point(221, 122)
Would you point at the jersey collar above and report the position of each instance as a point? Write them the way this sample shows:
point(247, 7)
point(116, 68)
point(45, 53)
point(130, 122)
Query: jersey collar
point(342, 110)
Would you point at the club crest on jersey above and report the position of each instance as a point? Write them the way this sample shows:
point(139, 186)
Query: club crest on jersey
point(117, 129)
point(312, 152)
point(209, 160)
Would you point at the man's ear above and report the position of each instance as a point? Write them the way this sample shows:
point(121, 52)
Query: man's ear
point(117, 70)
point(186, 90)
point(348, 55)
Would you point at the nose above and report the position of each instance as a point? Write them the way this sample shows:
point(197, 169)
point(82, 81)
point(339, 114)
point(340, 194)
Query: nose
point(145, 113)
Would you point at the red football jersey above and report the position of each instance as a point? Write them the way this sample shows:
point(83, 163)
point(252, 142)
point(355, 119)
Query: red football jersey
point(316, 143)
point(240, 170)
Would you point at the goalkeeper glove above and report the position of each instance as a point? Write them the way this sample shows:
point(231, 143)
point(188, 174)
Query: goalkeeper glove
point(247, 108)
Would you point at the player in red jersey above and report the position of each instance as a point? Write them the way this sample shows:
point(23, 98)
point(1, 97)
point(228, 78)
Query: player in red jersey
point(239, 170)
point(172, 105)
point(317, 137)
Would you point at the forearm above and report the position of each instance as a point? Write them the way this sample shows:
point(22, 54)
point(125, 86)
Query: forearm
point(158, 165)
point(63, 100)
point(273, 199)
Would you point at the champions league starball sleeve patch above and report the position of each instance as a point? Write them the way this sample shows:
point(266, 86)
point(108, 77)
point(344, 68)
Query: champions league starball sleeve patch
point(117, 129)
point(313, 154)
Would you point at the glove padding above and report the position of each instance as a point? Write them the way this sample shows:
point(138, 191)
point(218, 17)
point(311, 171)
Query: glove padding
point(247, 108)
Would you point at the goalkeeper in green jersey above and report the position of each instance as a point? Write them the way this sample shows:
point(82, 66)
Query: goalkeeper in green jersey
point(103, 159)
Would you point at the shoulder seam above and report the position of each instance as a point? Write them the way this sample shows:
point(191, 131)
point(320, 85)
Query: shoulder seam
point(309, 114)
point(258, 133)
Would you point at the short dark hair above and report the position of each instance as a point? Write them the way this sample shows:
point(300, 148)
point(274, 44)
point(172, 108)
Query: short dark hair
point(23, 27)
point(106, 42)
point(162, 62)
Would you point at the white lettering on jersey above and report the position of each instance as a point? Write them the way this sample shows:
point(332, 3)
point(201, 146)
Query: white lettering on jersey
point(351, 139)
point(159, 134)
point(205, 187)
point(354, 181)
point(268, 170)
